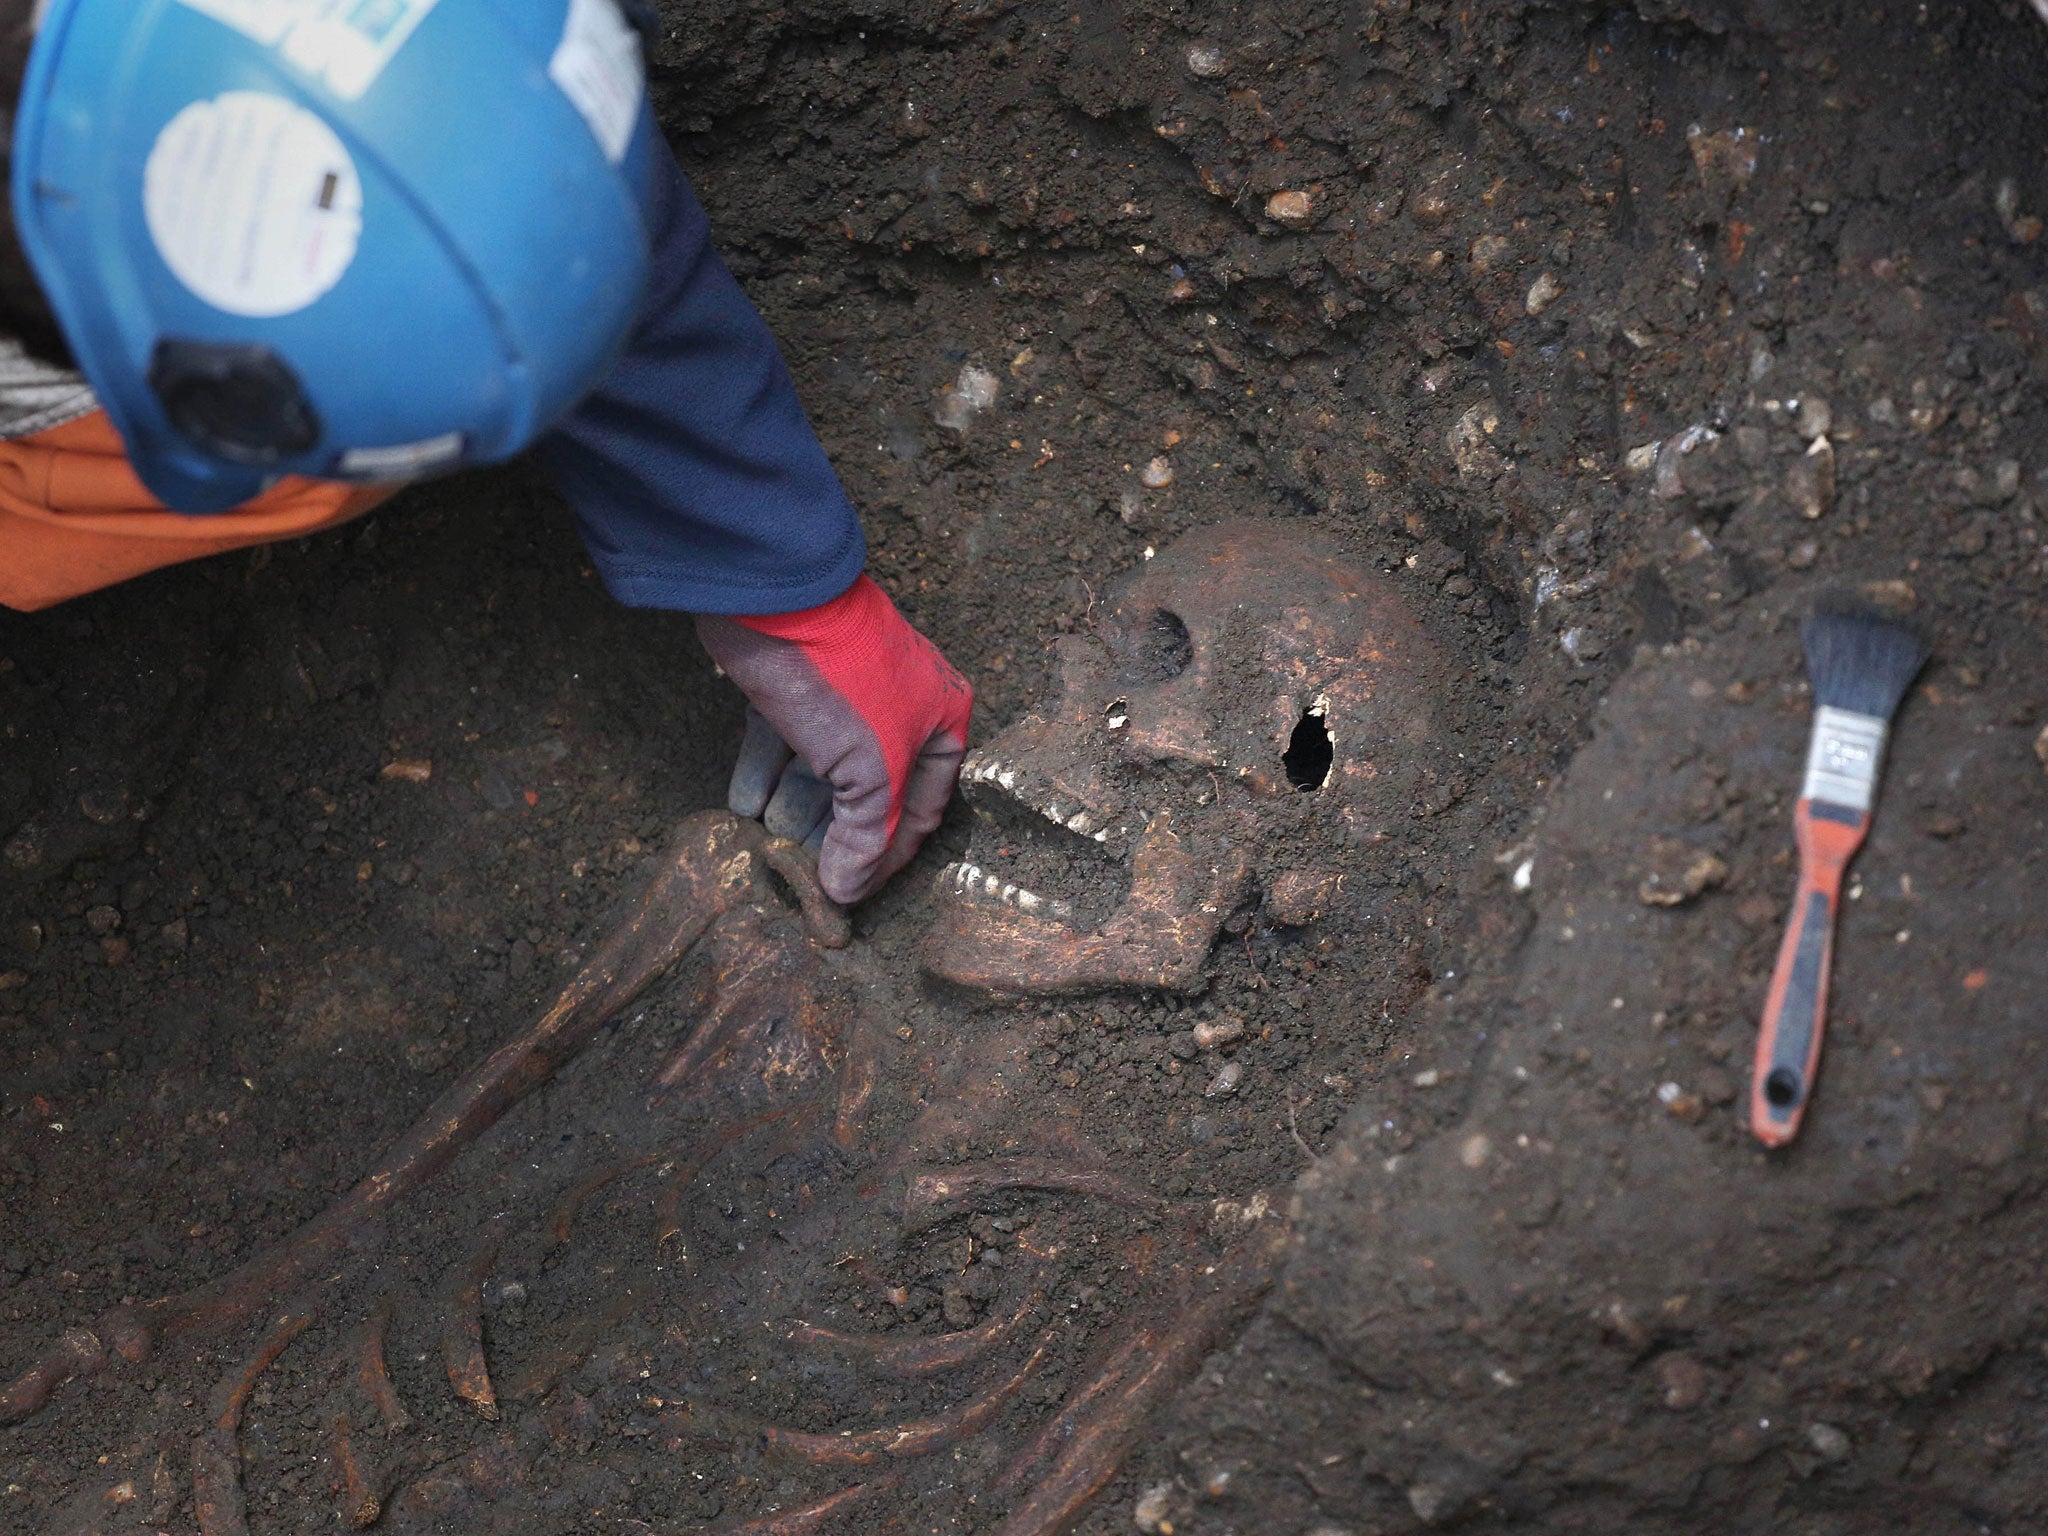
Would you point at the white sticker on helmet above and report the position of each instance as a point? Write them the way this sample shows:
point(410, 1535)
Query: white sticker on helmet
point(598, 66)
point(346, 43)
point(253, 202)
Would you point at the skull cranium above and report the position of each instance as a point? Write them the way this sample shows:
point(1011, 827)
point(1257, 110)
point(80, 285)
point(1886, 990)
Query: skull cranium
point(1252, 711)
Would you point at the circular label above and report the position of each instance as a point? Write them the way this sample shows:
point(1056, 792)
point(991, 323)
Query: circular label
point(253, 202)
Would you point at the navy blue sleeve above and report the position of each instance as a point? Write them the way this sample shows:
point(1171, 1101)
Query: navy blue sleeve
point(694, 475)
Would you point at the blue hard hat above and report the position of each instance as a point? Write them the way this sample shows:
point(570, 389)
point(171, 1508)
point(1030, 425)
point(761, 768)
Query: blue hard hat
point(355, 239)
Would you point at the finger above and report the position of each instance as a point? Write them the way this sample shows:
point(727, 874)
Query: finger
point(800, 806)
point(930, 790)
point(858, 862)
point(763, 756)
point(858, 839)
point(932, 779)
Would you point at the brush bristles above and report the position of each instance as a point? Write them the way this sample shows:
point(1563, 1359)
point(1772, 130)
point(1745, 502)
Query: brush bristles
point(1860, 662)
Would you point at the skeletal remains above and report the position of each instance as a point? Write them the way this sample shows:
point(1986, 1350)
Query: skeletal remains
point(1119, 827)
point(1116, 832)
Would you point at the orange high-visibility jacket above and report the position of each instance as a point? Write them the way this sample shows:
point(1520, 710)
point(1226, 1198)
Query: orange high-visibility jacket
point(74, 517)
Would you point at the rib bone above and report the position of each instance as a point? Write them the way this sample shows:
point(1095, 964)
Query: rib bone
point(716, 865)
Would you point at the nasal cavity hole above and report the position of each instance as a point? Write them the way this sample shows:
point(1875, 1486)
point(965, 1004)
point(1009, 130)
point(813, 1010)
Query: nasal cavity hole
point(1310, 751)
point(1782, 1088)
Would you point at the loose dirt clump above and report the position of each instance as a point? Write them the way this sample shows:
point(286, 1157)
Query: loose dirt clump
point(1603, 339)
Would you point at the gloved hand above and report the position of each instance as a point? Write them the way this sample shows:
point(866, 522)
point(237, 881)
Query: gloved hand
point(855, 734)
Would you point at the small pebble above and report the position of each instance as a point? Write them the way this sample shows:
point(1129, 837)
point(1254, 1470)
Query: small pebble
point(1154, 1510)
point(1810, 480)
point(1830, 1442)
point(1226, 1081)
point(1474, 1151)
point(1158, 474)
point(1802, 554)
point(1681, 1380)
point(1488, 252)
point(103, 920)
point(1816, 417)
point(975, 391)
point(1296, 210)
point(1206, 61)
point(1544, 292)
point(1209, 1036)
point(978, 387)
point(408, 771)
point(1683, 1106)
point(1678, 873)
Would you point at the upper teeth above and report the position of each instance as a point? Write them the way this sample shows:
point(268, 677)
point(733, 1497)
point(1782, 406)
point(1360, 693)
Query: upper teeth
point(986, 770)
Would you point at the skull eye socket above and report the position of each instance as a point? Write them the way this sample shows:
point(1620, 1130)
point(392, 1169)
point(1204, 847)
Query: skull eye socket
point(1162, 648)
point(1311, 751)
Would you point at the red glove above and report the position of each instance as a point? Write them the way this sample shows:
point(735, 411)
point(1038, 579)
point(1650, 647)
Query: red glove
point(869, 706)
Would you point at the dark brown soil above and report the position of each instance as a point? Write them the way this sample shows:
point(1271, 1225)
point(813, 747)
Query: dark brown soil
point(1544, 1280)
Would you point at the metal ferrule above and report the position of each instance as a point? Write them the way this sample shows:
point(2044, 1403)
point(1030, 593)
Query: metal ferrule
point(1842, 763)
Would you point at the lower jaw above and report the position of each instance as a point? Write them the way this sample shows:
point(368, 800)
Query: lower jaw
point(999, 951)
point(1159, 938)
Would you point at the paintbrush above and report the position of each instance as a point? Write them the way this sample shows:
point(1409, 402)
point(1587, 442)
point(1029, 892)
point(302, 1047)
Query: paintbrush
point(1861, 666)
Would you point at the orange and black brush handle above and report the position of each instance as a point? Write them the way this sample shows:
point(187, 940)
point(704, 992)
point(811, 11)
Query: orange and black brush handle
point(1795, 1015)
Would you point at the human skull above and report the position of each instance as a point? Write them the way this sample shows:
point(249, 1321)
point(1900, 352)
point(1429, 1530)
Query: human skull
point(1253, 712)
